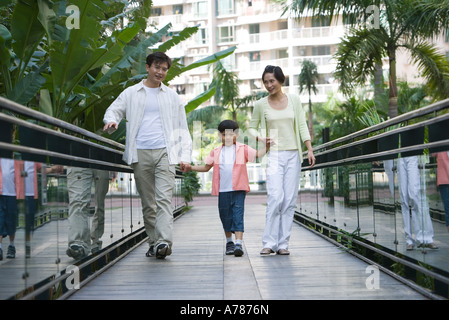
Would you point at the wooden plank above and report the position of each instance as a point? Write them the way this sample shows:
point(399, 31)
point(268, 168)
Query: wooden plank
point(198, 269)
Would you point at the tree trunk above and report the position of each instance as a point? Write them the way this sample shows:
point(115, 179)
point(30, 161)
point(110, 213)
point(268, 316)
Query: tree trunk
point(310, 117)
point(393, 90)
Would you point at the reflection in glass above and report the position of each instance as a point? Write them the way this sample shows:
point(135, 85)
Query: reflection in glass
point(82, 238)
point(392, 202)
point(39, 221)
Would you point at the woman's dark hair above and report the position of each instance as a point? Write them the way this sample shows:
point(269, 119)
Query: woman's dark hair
point(227, 124)
point(277, 71)
point(158, 57)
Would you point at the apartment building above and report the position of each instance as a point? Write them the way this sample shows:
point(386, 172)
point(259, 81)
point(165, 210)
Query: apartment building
point(263, 36)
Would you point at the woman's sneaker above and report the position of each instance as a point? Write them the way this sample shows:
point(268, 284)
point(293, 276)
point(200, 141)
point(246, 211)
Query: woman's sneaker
point(238, 252)
point(230, 246)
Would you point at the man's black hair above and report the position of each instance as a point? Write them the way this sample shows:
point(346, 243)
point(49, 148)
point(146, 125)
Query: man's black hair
point(158, 57)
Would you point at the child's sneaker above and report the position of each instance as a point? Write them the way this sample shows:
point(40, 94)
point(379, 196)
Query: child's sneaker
point(11, 253)
point(238, 252)
point(230, 246)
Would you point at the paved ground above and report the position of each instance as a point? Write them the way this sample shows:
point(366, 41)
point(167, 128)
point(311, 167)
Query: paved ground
point(198, 269)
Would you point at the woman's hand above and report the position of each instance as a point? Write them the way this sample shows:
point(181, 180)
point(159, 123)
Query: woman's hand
point(266, 141)
point(311, 158)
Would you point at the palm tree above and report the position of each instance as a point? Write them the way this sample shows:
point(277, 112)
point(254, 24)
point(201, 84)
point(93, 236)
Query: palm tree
point(366, 46)
point(226, 84)
point(227, 88)
point(307, 81)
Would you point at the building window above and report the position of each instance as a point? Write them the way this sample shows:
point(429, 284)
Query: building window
point(320, 22)
point(201, 36)
point(254, 28)
point(225, 34)
point(156, 12)
point(321, 51)
point(177, 9)
point(200, 9)
point(282, 53)
point(283, 25)
point(254, 56)
point(225, 7)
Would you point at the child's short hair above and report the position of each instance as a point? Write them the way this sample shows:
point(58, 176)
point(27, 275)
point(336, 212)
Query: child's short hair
point(228, 124)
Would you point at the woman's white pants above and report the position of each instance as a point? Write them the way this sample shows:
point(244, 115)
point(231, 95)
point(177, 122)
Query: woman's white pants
point(283, 174)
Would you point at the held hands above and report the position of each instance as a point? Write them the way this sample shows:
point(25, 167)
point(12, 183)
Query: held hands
point(268, 142)
point(185, 167)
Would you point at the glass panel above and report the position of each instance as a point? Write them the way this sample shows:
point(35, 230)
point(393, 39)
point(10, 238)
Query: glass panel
point(54, 206)
point(12, 213)
point(393, 202)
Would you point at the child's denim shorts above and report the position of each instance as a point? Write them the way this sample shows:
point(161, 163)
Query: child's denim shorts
point(231, 206)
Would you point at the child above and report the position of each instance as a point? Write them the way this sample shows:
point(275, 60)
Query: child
point(230, 181)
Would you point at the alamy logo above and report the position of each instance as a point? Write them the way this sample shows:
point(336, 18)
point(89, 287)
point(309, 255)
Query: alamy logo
point(373, 20)
point(73, 280)
point(73, 20)
point(373, 280)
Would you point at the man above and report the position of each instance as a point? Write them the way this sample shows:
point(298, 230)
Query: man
point(157, 138)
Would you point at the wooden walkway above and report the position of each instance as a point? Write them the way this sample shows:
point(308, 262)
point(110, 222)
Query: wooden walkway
point(198, 269)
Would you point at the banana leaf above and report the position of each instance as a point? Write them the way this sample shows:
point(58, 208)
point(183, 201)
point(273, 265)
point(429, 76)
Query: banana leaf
point(205, 61)
point(27, 87)
point(131, 53)
point(27, 32)
point(5, 57)
point(72, 60)
point(203, 97)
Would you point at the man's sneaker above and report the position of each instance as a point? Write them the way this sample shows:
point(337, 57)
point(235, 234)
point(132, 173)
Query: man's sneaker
point(162, 250)
point(11, 253)
point(238, 252)
point(150, 252)
point(230, 247)
point(76, 251)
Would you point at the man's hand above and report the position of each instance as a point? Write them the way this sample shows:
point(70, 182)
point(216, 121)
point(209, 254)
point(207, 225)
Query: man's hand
point(185, 166)
point(110, 127)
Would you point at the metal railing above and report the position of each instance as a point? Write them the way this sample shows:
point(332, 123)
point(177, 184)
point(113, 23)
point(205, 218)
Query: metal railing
point(41, 268)
point(355, 196)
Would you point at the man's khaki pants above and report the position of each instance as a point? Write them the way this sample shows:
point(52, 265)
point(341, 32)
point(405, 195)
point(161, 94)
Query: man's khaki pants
point(155, 180)
point(79, 182)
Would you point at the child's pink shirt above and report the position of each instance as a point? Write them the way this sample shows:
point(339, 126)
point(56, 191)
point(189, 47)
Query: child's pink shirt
point(442, 168)
point(240, 181)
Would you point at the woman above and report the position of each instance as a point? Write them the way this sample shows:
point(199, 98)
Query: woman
point(283, 124)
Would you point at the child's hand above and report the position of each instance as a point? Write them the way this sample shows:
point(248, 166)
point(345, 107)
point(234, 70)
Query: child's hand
point(185, 167)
